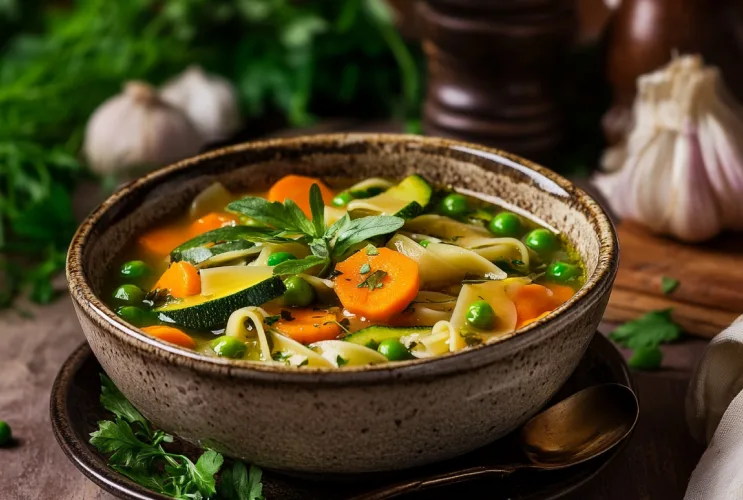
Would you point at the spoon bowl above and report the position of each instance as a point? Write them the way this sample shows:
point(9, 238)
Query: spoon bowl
point(578, 428)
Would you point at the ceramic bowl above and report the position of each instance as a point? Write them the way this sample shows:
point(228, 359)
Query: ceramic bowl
point(361, 419)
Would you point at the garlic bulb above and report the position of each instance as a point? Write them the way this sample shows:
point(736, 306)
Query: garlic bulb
point(209, 101)
point(681, 167)
point(138, 129)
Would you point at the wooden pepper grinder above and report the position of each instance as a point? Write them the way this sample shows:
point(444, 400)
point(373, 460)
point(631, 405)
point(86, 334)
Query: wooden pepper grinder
point(494, 71)
point(643, 35)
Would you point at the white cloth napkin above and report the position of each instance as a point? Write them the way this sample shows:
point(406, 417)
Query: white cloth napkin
point(714, 411)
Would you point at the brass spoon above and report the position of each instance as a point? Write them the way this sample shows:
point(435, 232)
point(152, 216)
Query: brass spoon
point(579, 428)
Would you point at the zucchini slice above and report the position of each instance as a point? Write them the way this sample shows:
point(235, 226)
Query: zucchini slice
point(373, 335)
point(210, 312)
point(407, 199)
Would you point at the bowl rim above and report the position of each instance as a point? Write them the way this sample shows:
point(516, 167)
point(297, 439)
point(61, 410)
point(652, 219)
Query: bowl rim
point(592, 290)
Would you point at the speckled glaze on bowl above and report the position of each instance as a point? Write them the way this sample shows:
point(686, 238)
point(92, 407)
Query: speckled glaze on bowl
point(354, 420)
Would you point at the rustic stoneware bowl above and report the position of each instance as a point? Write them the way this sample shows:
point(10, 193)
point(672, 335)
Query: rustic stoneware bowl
point(354, 420)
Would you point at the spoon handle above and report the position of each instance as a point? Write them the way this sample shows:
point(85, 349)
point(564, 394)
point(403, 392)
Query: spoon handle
point(430, 482)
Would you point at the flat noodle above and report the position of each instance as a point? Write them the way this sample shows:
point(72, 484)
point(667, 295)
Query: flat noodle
point(297, 249)
point(469, 236)
point(300, 354)
point(221, 280)
point(439, 266)
point(350, 354)
point(495, 294)
point(236, 328)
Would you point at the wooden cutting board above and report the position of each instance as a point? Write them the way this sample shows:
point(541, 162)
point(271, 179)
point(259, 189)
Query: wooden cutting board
point(710, 291)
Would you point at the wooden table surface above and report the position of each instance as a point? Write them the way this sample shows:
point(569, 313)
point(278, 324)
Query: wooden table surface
point(656, 464)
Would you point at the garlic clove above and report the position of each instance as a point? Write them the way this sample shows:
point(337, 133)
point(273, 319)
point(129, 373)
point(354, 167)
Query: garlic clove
point(210, 102)
point(137, 129)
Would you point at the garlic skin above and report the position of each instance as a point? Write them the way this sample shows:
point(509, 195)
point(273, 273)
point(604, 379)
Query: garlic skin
point(137, 129)
point(680, 170)
point(209, 101)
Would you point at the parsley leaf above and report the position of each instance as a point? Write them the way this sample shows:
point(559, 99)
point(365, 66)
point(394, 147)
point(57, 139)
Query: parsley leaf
point(646, 358)
point(114, 401)
point(287, 217)
point(365, 268)
point(142, 458)
point(340, 361)
point(299, 266)
point(650, 330)
point(202, 473)
point(668, 285)
point(338, 226)
point(364, 228)
point(371, 250)
point(373, 281)
point(317, 207)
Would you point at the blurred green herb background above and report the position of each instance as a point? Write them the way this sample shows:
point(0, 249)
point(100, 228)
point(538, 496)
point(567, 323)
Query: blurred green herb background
point(59, 60)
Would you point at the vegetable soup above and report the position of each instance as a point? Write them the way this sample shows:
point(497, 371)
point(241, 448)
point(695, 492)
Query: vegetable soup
point(309, 275)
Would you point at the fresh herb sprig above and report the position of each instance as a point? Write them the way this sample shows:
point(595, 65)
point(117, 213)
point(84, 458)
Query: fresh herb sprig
point(645, 335)
point(327, 244)
point(136, 450)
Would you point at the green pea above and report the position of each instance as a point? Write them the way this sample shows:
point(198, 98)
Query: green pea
point(563, 271)
point(277, 258)
point(129, 294)
point(342, 199)
point(228, 347)
point(542, 241)
point(137, 316)
point(506, 225)
point(5, 433)
point(393, 350)
point(135, 269)
point(480, 314)
point(454, 205)
point(425, 243)
point(298, 292)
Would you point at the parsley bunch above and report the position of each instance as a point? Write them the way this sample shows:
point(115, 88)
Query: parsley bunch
point(327, 244)
point(136, 451)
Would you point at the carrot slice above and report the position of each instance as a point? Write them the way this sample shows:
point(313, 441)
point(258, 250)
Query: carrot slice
point(532, 320)
point(561, 293)
point(297, 189)
point(182, 279)
point(532, 301)
point(308, 326)
point(170, 334)
point(163, 240)
point(210, 221)
point(393, 293)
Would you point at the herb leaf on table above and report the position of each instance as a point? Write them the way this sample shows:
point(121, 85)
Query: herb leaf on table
point(136, 450)
point(668, 285)
point(645, 334)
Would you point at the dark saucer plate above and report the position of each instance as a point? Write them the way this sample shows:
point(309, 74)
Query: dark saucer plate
point(75, 411)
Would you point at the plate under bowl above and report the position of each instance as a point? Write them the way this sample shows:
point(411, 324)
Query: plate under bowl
point(75, 411)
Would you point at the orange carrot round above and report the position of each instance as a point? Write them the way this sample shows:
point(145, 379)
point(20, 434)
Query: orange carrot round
point(163, 240)
point(210, 221)
point(560, 293)
point(297, 189)
point(525, 322)
point(532, 301)
point(308, 326)
point(182, 279)
point(377, 286)
point(170, 334)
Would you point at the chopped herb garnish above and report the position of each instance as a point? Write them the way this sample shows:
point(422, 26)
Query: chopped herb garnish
point(366, 268)
point(668, 285)
point(517, 262)
point(286, 315)
point(341, 361)
point(305, 362)
point(374, 280)
point(334, 274)
point(344, 324)
point(270, 320)
point(281, 356)
point(371, 250)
